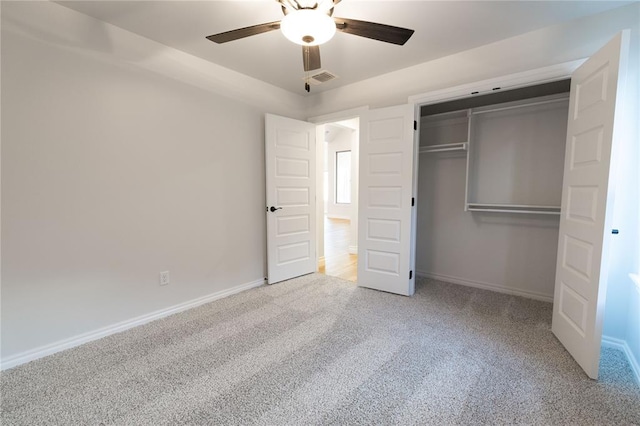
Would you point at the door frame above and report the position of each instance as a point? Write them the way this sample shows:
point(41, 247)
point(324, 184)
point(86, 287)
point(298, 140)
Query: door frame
point(319, 121)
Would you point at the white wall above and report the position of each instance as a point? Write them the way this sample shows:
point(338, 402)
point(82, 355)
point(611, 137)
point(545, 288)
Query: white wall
point(112, 173)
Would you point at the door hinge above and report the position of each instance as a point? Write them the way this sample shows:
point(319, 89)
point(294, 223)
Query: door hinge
point(413, 201)
point(410, 274)
point(415, 125)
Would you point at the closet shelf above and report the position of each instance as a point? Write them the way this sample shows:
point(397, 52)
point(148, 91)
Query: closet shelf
point(524, 105)
point(461, 146)
point(513, 208)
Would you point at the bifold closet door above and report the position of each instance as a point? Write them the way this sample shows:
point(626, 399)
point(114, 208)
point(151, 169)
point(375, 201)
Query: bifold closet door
point(587, 202)
point(386, 182)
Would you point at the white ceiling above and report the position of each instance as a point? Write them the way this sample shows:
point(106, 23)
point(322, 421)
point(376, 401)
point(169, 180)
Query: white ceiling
point(441, 28)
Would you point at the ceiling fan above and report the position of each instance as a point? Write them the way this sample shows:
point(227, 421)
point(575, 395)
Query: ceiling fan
point(310, 23)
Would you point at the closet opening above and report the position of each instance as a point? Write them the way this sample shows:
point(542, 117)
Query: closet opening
point(490, 176)
point(489, 214)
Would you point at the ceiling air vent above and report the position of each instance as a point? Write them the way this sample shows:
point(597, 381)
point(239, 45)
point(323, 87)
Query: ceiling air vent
point(321, 77)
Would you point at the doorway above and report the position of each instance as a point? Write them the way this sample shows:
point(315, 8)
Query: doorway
point(338, 254)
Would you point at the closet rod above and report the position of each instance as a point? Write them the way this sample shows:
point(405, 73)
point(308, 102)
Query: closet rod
point(513, 208)
point(496, 210)
point(484, 111)
point(516, 206)
point(462, 146)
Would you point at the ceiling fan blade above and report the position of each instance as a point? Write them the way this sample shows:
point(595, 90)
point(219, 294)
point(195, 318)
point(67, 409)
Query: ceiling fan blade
point(244, 32)
point(311, 57)
point(381, 32)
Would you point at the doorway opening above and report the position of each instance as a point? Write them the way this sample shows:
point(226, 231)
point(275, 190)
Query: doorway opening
point(338, 250)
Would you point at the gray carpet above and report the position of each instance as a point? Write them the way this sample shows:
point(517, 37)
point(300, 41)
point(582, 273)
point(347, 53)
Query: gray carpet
point(318, 350)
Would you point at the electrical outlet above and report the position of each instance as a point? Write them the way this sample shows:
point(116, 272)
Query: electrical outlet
point(164, 278)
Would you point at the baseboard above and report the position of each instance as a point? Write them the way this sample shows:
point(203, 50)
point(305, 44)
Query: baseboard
point(353, 249)
point(487, 286)
point(612, 342)
point(338, 216)
point(83, 338)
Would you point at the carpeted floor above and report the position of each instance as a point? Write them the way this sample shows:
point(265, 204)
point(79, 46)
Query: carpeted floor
point(318, 350)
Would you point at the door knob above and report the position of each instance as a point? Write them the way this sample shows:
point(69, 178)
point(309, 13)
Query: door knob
point(273, 209)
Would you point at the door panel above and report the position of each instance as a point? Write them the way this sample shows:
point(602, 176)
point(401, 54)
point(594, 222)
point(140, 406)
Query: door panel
point(587, 204)
point(290, 167)
point(386, 189)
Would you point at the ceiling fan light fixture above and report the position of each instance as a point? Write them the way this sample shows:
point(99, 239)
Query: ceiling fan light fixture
point(308, 27)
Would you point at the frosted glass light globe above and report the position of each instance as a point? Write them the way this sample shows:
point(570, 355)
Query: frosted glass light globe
point(308, 27)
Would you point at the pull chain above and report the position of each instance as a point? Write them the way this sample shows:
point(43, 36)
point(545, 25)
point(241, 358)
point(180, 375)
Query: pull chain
point(306, 72)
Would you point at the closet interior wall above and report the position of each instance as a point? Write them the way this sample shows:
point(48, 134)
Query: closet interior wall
point(504, 149)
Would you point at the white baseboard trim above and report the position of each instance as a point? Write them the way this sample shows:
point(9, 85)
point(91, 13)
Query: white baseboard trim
point(353, 249)
point(615, 343)
point(61, 345)
point(338, 216)
point(487, 286)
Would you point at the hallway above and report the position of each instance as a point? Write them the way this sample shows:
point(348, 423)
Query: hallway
point(338, 262)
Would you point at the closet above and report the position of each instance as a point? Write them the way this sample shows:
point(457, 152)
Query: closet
point(489, 189)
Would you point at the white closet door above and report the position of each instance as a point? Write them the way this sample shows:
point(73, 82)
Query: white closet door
point(290, 160)
point(587, 203)
point(385, 200)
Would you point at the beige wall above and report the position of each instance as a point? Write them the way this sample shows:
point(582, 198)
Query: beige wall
point(111, 174)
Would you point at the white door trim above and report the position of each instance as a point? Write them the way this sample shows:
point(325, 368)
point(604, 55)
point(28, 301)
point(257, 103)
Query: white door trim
point(339, 116)
point(506, 82)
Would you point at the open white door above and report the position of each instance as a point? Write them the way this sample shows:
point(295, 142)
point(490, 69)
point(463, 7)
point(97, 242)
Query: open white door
point(290, 147)
point(385, 200)
point(587, 203)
